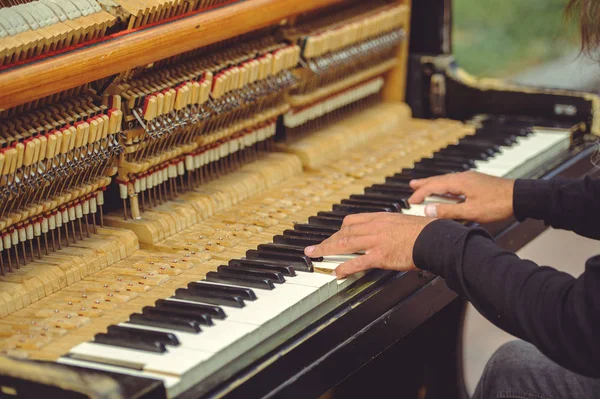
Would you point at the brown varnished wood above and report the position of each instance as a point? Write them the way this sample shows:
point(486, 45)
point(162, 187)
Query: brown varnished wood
point(144, 47)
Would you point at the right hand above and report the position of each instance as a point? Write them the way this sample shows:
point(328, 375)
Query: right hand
point(488, 198)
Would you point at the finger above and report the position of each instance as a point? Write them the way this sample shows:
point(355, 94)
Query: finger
point(339, 244)
point(463, 211)
point(358, 264)
point(441, 185)
point(358, 229)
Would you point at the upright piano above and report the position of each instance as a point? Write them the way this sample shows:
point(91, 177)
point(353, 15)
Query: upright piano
point(164, 163)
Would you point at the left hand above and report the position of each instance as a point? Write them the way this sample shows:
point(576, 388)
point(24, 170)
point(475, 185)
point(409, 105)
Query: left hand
point(387, 239)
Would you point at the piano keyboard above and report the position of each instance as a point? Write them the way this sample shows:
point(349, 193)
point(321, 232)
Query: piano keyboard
point(206, 324)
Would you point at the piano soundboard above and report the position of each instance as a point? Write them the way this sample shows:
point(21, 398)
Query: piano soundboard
point(157, 197)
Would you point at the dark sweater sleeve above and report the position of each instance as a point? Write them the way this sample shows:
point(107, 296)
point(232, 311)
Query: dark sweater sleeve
point(563, 204)
point(552, 310)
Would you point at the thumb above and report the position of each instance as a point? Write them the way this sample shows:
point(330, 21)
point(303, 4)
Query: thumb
point(448, 211)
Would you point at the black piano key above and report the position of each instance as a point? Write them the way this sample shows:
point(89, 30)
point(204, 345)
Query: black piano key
point(437, 170)
point(286, 249)
point(243, 292)
point(440, 157)
point(331, 215)
point(505, 141)
point(312, 227)
point(298, 241)
point(402, 179)
point(245, 271)
point(165, 338)
point(164, 322)
point(418, 173)
point(445, 163)
point(479, 155)
point(213, 312)
point(392, 206)
point(292, 261)
point(490, 149)
point(354, 209)
point(193, 295)
point(130, 342)
point(325, 221)
point(307, 234)
point(397, 192)
point(244, 281)
point(202, 319)
point(264, 265)
point(392, 199)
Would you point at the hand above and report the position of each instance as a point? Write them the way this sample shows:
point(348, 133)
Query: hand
point(387, 239)
point(488, 198)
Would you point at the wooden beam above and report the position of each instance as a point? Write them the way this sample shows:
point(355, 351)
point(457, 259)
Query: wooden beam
point(40, 79)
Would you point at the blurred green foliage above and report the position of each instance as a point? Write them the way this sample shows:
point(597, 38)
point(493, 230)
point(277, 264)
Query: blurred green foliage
point(498, 38)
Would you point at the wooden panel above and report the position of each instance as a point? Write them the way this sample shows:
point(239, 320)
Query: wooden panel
point(63, 72)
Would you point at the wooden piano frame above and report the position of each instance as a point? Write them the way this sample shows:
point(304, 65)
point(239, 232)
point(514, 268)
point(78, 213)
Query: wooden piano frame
point(387, 324)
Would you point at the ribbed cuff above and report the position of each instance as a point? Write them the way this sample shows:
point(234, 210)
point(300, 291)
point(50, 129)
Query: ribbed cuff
point(532, 198)
point(435, 246)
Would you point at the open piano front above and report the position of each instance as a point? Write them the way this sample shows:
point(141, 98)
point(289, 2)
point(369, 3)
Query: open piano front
point(164, 163)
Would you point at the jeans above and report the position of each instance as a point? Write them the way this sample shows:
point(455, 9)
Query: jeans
point(519, 371)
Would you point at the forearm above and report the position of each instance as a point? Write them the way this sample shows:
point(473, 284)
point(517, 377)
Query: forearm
point(564, 204)
point(539, 304)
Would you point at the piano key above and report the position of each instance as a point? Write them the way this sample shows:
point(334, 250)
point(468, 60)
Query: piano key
point(278, 262)
point(245, 293)
point(306, 234)
point(311, 227)
point(165, 322)
point(214, 311)
point(392, 206)
point(246, 271)
point(297, 241)
point(354, 209)
point(128, 341)
point(185, 316)
point(331, 215)
point(164, 338)
point(190, 294)
point(179, 314)
point(325, 221)
point(403, 202)
point(300, 262)
point(244, 281)
point(285, 249)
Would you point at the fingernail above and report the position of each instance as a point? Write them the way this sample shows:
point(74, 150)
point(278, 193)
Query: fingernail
point(309, 250)
point(431, 210)
point(333, 273)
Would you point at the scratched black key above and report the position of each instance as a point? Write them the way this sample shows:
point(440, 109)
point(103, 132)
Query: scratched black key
point(190, 294)
point(418, 173)
point(389, 190)
point(440, 157)
point(243, 271)
point(325, 221)
point(307, 234)
point(354, 209)
point(312, 227)
point(489, 150)
point(277, 262)
point(457, 166)
point(298, 241)
point(165, 338)
point(479, 155)
point(202, 319)
point(331, 215)
point(437, 170)
point(390, 206)
point(402, 179)
point(245, 293)
point(244, 281)
point(286, 249)
point(398, 182)
point(164, 322)
point(130, 343)
point(214, 312)
point(391, 201)
point(292, 261)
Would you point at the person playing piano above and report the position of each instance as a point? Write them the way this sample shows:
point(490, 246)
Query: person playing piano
point(558, 315)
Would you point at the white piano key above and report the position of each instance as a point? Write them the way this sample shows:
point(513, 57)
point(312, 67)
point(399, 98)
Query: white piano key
point(167, 380)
